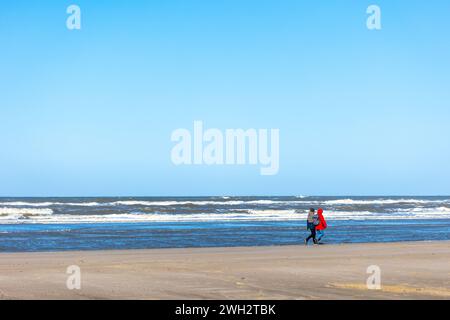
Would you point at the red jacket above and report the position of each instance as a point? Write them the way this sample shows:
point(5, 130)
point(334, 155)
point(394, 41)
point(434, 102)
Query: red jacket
point(322, 223)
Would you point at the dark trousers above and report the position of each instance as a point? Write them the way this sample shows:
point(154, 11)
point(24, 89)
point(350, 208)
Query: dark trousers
point(312, 235)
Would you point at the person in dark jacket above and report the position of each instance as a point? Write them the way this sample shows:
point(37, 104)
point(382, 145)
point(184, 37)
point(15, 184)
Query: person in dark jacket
point(311, 222)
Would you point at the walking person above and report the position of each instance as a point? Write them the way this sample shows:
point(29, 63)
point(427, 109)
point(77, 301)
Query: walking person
point(320, 228)
point(311, 223)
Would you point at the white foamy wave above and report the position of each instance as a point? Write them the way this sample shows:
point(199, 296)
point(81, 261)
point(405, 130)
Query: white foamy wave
point(226, 202)
point(45, 216)
point(28, 204)
point(195, 202)
point(140, 203)
point(278, 202)
point(139, 217)
point(149, 203)
point(425, 210)
point(81, 204)
point(380, 201)
point(25, 211)
point(48, 204)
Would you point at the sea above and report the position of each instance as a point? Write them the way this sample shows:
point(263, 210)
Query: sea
point(61, 224)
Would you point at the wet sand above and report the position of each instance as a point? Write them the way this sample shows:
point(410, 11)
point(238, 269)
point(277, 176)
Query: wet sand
point(409, 270)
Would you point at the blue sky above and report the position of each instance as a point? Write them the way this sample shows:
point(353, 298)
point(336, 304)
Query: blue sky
point(90, 112)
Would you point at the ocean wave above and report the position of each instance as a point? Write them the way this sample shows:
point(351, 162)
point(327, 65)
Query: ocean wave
point(196, 202)
point(423, 210)
point(225, 201)
point(380, 201)
point(45, 216)
point(140, 203)
point(25, 211)
point(29, 204)
point(49, 204)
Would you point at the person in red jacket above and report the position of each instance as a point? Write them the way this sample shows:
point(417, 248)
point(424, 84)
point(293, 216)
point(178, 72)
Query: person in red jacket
point(321, 226)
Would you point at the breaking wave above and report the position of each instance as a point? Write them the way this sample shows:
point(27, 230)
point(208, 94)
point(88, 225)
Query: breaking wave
point(12, 216)
point(226, 202)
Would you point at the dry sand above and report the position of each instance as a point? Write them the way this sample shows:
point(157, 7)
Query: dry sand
point(408, 270)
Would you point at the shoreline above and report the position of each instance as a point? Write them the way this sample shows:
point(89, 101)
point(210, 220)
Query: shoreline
point(324, 244)
point(409, 270)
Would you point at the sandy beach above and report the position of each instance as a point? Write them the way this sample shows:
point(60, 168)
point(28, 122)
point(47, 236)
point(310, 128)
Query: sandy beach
point(409, 270)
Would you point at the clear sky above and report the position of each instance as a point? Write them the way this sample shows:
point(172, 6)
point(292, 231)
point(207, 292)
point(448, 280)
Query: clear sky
point(90, 112)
